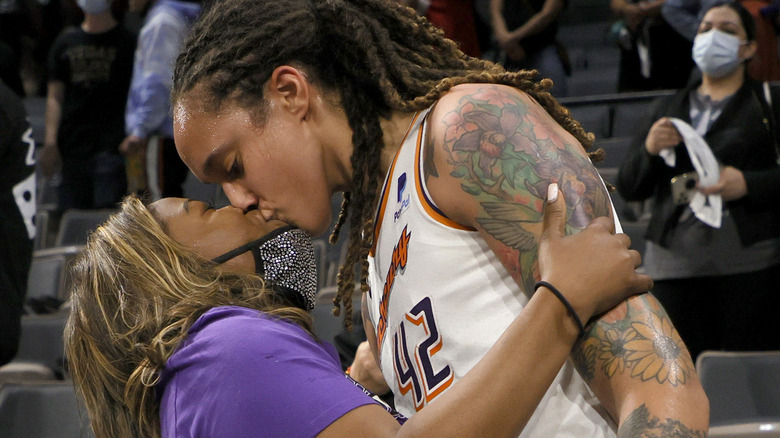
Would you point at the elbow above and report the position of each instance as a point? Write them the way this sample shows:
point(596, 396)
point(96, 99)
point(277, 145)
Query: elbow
point(696, 398)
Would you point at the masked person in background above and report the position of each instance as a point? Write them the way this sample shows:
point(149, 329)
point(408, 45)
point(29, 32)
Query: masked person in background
point(719, 284)
point(89, 76)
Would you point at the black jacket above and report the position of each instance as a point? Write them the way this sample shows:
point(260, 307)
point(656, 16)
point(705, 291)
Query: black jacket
point(741, 137)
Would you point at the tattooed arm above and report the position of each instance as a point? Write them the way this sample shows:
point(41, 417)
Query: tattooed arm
point(490, 154)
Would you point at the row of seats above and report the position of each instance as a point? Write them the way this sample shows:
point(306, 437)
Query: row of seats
point(613, 115)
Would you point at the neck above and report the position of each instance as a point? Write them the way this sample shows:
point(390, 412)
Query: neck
point(98, 23)
point(719, 88)
point(394, 130)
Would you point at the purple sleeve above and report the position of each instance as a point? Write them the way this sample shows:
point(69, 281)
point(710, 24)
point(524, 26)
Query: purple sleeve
point(240, 373)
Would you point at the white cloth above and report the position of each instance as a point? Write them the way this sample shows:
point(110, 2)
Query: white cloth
point(707, 208)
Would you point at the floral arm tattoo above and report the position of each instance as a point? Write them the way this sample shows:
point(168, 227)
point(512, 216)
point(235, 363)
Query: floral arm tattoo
point(504, 152)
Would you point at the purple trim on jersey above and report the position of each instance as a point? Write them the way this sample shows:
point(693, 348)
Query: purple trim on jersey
point(242, 373)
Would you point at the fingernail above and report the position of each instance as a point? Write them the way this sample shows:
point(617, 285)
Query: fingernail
point(552, 192)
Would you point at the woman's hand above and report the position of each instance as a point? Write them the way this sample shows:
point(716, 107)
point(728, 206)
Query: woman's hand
point(662, 135)
point(730, 186)
point(594, 269)
point(366, 371)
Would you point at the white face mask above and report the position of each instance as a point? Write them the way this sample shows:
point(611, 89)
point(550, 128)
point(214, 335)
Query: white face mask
point(94, 6)
point(716, 53)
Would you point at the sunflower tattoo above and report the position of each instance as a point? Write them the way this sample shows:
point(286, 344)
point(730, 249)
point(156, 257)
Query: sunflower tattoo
point(644, 344)
point(657, 352)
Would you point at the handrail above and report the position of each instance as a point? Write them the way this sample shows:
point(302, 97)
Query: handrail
point(626, 97)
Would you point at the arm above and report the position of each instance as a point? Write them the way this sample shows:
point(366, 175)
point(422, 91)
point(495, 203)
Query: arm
point(493, 150)
point(639, 172)
point(683, 16)
point(148, 106)
point(50, 156)
point(481, 404)
point(550, 12)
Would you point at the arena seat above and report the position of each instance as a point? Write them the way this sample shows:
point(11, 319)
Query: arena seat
point(76, 225)
point(616, 150)
point(743, 387)
point(41, 409)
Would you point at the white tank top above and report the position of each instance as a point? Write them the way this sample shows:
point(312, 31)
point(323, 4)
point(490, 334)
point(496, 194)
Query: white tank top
point(440, 298)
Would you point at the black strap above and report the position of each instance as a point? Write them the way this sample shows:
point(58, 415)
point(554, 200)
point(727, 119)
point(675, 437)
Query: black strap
point(250, 245)
point(765, 103)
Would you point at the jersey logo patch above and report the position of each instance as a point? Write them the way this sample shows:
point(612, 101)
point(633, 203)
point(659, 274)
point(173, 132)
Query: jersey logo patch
point(402, 199)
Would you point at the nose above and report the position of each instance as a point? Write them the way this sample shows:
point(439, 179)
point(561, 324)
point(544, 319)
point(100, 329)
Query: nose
point(240, 197)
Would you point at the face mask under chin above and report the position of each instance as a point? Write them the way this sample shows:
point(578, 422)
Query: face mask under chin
point(285, 259)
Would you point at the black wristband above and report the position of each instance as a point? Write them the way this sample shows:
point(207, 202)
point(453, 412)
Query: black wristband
point(565, 302)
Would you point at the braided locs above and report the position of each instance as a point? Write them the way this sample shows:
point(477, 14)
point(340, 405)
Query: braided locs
point(375, 55)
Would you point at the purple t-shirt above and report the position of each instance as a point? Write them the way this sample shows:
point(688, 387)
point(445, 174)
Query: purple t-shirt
point(241, 373)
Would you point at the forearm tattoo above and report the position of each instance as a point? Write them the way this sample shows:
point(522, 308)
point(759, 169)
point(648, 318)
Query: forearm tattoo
point(640, 424)
point(636, 339)
point(505, 154)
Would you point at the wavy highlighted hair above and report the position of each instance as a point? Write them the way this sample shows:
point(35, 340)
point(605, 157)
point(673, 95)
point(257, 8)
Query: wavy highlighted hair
point(135, 292)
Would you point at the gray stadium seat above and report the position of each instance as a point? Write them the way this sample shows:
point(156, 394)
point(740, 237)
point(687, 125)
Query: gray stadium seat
point(25, 372)
point(593, 118)
point(743, 387)
point(41, 409)
point(628, 117)
point(759, 429)
point(593, 82)
point(616, 150)
point(76, 225)
point(46, 274)
point(41, 340)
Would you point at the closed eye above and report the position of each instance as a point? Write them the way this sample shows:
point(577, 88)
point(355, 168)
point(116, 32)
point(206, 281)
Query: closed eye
point(236, 171)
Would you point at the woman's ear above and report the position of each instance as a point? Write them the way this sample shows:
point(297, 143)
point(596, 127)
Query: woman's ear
point(289, 88)
point(748, 51)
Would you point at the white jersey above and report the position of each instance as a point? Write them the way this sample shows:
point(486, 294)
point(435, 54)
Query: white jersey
point(440, 298)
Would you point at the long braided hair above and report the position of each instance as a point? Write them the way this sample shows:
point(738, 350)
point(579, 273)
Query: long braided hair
point(375, 56)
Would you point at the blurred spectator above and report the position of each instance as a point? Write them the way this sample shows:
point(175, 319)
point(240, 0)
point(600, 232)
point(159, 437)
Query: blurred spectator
point(653, 55)
point(525, 31)
point(684, 17)
point(716, 270)
point(9, 69)
point(89, 70)
point(455, 17)
point(166, 24)
point(17, 209)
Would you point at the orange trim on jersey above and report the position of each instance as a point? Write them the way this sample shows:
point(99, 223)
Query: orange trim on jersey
point(422, 195)
point(383, 199)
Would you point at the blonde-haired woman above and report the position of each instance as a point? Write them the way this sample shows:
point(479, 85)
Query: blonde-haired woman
point(173, 333)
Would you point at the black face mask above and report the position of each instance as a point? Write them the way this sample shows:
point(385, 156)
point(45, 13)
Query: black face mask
point(285, 259)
